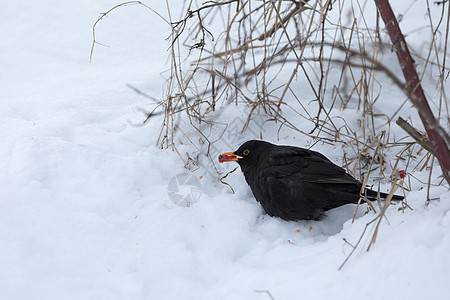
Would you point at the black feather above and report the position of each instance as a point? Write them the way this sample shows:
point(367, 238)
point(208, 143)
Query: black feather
point(295, 183)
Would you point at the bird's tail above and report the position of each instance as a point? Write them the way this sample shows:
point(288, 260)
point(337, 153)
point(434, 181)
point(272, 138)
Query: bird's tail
point(372, 196)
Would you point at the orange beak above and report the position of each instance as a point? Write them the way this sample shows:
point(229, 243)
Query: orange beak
point(229, 156)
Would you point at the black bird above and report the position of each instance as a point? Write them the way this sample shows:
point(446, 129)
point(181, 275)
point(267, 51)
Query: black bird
point(295, 183)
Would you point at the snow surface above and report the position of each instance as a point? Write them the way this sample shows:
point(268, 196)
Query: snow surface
point(84, 209)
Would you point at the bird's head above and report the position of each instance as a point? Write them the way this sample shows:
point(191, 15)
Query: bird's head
point(248, 155)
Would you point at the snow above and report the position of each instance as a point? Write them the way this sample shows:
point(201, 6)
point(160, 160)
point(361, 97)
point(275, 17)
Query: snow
point(84, 208)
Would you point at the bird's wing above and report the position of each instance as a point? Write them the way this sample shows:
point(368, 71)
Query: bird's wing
point(304, 165)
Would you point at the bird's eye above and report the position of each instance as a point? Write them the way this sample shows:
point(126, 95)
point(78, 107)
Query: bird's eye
point(246, 152)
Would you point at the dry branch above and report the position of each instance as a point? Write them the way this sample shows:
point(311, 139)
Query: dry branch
point(94, 42)
point(415, 134)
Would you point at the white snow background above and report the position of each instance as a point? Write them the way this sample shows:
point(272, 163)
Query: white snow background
point(84, 210)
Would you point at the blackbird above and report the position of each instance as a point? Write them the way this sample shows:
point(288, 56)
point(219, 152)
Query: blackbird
point(295, 183)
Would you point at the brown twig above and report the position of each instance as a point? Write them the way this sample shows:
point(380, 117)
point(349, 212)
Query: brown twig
point(415, 134)
point(387, 202)
point(357, 243)
point(225, 176)
point(94, 42)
